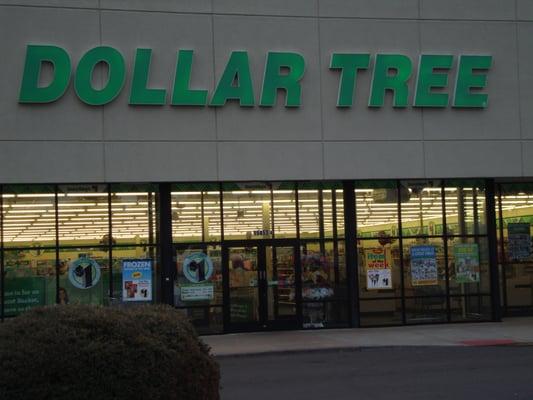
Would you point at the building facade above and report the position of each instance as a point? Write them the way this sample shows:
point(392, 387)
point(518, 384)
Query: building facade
point(269, 165)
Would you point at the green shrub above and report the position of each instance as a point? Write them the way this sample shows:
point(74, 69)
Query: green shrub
point(85, 352)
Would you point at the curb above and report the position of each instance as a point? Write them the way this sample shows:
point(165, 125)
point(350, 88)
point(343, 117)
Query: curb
point(339, 349)
point(342, 349)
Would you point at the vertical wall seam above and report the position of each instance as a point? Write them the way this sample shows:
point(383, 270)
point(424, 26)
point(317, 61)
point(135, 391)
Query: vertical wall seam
point(519, 92)
point(320, 90)
point(102, 113)
point(419, 27)
point(214, 87)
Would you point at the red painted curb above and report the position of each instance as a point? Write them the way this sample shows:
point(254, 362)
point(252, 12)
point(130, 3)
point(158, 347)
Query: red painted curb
point(487, 342)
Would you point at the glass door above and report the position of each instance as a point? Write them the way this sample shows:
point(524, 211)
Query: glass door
point(261, 287)
point(516, 247)
point(244, 287)
point(280, 296)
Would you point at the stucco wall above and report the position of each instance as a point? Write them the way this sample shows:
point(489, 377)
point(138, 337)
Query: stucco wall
point(68, 141)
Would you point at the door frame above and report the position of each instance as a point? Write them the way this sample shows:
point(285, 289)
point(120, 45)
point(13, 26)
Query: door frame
point(506, 309)
point(263, 324)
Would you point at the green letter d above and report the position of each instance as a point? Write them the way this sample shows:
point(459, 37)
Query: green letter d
point(30, 91)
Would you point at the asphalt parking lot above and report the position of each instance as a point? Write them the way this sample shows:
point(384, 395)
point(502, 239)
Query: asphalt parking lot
point(410, 373)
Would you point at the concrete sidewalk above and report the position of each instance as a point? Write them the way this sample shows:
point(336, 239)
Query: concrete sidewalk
point(513, 331)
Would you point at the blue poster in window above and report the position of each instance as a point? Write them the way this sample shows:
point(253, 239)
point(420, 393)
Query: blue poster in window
point(424, 271)
point(137, 280)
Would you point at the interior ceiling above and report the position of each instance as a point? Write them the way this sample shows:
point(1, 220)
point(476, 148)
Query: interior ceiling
point(84, 216)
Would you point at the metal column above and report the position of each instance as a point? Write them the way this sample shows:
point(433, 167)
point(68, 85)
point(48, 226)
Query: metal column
point(493, 249)
point(350, 230)
point(167, 267)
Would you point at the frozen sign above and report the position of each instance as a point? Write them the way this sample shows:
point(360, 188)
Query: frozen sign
point(423, 266)
point(137, 280)
point(378, 271)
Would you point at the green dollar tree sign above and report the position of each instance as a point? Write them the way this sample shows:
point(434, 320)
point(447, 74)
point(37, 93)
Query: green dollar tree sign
point(84, 73)
point(467, 80)
point(182, 94)
point(236, 82)
point(140, 94)
point(384, 80)
point(36, 55)
point(429, 79)
point(348, 64)
point(283, 71)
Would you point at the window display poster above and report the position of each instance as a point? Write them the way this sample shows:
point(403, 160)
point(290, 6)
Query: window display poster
point(21, 294)
point(378, 270)
point(424, 270)
point(197, 292)
point(466, 263)
point(137, 280)
point(84, 273)
point(198, 267)
point(519, 247)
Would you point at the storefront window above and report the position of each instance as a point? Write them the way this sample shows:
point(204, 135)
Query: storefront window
point(128, 263)
point(78, 251)
point(196, 213)
point(425, 280)
point(28, 214)
point(323, 283)
point(339, 211)
point(382, 312)
point(83, 215)
point(421, 310)
point(465, 208)
point(247, 211)
point(84, 275)
point(133, 213)
point(421, 205)
point(424, 266)
point(470, 308)
point(421, 247)
point(377, 209)
point(284, 198)
point(469, 266)
point(212, 225)
point(199, 276)
point(515, 217)
point(378, 253)
point(187, 225)
point(29, 279)
point(198, 286)
point(310, 199)
point(379, 268)
point(424, 258)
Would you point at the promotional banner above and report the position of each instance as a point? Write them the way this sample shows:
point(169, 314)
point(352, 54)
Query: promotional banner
point(424, 270)
point(21, 294)
point(519, 246)
point(137, 280)
point(378, 270)
point(466, 262)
